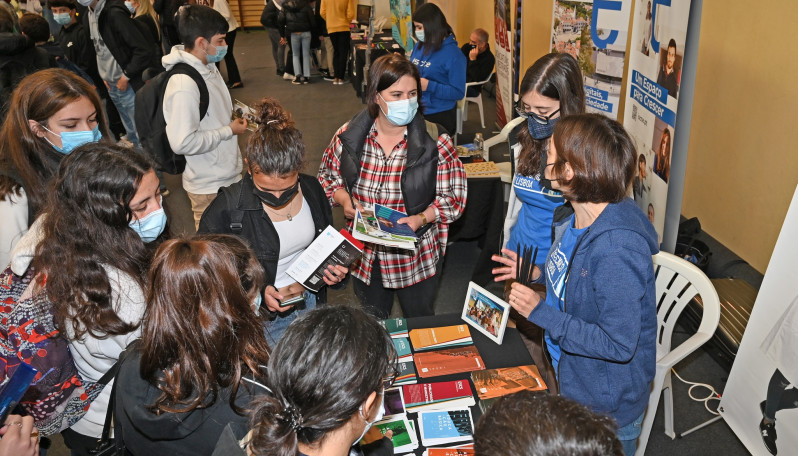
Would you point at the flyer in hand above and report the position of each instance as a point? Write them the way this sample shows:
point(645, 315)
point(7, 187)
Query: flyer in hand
point(388, 221)
point(242, 110)
point(366, 228)
point(329, 248)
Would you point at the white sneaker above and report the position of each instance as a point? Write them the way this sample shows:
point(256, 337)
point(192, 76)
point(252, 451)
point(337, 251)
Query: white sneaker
point(288, 76)
point(123, 141)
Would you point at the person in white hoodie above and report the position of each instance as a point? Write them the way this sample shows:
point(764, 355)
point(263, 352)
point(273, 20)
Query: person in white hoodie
point(213, 159)
point(88, 250)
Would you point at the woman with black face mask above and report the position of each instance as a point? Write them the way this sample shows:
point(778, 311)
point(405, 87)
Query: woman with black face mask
point(279, 211)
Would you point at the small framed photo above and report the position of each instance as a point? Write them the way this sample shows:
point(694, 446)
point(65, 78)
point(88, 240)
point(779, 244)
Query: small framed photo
point(486, 312)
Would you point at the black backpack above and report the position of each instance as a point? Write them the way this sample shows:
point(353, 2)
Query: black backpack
point(150, 123)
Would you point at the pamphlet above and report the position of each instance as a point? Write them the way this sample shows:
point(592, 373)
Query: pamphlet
point(388, 221)
point(404, 435)
point(366, 228)
point(461, 450)
point(444, 427)
point(396, 327)
point(329, 248)
point(402, 346)
point(493, 383)
point(405, 373)
point(449, 361)
point(242, 110)
point(440, 337)
point(438, 396)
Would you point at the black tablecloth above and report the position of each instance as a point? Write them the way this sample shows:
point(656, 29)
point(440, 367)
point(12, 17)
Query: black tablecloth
point(358, 52)
point(482, 220)
point(512, 352)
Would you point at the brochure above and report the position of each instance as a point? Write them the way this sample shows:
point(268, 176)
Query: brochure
point(438, 396)
point(440, 337)
point(396, 327)
point(402, 346)
point(329, 248)
point(486, 312)
point(242, 110)
point(444, 427)
point(366, 228)
point(404, 435)
point(388, 221)
point(462, 450)
point(492, 383)
point(449, 361)
point(405, 373)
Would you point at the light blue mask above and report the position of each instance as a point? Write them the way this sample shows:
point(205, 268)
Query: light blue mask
point(420, 35)
point(130, 7)
point(151, 226)
point(221, 51)
point(256, 305)
point(62, 18)
point(73, 139)
point(401, 112)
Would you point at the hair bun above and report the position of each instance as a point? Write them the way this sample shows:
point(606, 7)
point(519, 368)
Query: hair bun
point(271, 114)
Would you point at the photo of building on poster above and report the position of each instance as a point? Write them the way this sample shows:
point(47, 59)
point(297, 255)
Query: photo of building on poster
point(596, 37)
point(653, 80)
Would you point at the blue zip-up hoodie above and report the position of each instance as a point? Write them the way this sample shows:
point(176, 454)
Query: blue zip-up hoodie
point(608, 330)
point(446, 71)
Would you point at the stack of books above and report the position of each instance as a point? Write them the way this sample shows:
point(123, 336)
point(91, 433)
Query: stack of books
point(396, 327)
point(438, 396)
point(403, 353)
point(461, 450)
point(449, 361)
point(406, 373)
point(440, 337)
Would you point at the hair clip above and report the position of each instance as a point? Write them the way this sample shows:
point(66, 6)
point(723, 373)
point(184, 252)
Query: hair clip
point(272, 121)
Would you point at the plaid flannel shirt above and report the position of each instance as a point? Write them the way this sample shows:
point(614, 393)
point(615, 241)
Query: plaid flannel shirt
point(379, 183)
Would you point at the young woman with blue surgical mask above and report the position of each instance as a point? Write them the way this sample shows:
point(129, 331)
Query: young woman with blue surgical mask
point(50, 113)
point(385, 155)
point(91, 263)
point(550, 90)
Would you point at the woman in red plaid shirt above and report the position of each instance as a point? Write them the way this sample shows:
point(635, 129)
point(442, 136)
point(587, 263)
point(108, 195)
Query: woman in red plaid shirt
point(385, 156)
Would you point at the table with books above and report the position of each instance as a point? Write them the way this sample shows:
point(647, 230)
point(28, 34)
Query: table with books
point(448, 373)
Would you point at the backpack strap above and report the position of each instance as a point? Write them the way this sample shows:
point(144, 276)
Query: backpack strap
point(236, 215)
point(188, 70)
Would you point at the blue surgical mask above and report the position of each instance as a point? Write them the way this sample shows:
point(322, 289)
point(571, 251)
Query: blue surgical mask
point(420, 35)
point(130, 7)
point(401, 112)
point(541, 131)
point(257, 303)
point(73, 139)
point(221, 51)
point(151, 226)
point(62, 18)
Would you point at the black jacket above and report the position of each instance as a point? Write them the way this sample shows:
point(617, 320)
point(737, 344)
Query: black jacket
point(19, 57)
point(268, 17)
point(128, 41)
point(256, 226)
point(77, 46)
point(419, 178)
point(192, 433)
point(297, 16)
point(479, 69)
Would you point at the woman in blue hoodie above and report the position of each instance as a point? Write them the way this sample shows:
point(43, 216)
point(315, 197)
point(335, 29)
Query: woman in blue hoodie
point(599, 313)
point(442, 66)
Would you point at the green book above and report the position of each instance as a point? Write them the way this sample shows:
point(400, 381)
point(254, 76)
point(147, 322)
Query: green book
point(396, 327)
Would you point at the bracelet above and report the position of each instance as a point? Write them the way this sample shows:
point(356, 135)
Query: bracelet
point(423, 218)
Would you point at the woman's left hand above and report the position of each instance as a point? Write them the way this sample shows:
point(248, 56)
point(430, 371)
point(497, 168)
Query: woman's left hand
point(413, 221)
point(334, 274)
point(424, 84)
point(523, 299)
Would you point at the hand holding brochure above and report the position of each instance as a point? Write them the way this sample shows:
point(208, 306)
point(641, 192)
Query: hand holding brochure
point(329, 248)
point(388, 221)
point(366, 228)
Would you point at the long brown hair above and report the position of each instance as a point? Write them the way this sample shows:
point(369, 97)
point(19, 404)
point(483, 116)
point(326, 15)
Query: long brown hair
point(200, 333)
point(555, 76)
point(85, 230)
point(38, 97)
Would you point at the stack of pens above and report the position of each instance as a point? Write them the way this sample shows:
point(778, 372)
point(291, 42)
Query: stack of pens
point(525, 264)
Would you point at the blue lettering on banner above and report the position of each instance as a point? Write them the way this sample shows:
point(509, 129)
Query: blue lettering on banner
point(667, 116)
point(654, 40)
point(609, 5)
point(598, 104)
point(597, 93)
point(650, 87)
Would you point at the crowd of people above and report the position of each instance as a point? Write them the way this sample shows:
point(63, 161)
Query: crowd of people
point(214, 346)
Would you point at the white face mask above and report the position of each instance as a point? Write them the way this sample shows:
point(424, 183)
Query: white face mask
point(379, 416)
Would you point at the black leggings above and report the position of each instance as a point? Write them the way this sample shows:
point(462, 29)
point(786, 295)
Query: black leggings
point(417, 300)
point(340, 42)
point(779, 397)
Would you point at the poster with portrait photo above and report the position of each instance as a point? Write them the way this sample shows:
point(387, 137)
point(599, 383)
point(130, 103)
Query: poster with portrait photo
point(485, 312)
point(764, 377)
point(652, 90)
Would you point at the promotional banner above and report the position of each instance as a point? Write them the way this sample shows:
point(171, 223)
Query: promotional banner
point(652, 90)
point(402, 23)
point(504, 62)
point(517, 71)
point(595, 34)
point(764, 376)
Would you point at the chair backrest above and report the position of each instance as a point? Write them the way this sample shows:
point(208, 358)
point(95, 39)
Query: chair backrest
point(678, 282)
point(504, 134)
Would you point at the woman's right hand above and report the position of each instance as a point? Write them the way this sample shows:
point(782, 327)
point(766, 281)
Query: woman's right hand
point(508, 260)
point(342, 197)
point(19, 437)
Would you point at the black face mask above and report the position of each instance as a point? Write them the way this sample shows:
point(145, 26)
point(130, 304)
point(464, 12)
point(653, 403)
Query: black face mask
point(274, 201)
point(545, 184)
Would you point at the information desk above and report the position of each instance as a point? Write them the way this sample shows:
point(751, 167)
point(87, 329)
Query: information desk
point(512, 352)
point(383, 44)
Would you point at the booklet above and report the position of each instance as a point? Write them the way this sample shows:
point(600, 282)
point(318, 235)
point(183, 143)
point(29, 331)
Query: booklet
point(396, 327)
point(493, 383)
point(242, 110)
point(388, 221)
point(445, 426)
point(460, 450)
point(402, 346)
point(366, 228)
point(449, 361)
point(405, 373)
point(329, 248)
point(404, 434)
point(438, 396)
point(440, 337)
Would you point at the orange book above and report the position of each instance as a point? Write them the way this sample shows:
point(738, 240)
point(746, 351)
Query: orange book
point(493, 383)
point(441, 336)
point(449, 361)
point(450, 451)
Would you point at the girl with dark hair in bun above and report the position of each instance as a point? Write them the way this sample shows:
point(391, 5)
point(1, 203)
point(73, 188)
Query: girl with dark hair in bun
point(327, 378)
point(278, 211)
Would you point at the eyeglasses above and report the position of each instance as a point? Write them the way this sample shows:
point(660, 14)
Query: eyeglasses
point(388, 380)
point(543, 120)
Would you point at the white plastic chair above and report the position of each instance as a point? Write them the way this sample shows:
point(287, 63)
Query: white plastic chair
point(462, 105)
point(678, 282)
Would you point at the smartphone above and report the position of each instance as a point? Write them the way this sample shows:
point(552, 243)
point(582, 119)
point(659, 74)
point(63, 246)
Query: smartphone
point(298, 299)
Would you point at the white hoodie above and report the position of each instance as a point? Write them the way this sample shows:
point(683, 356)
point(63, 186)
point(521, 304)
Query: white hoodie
point(212, 156)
